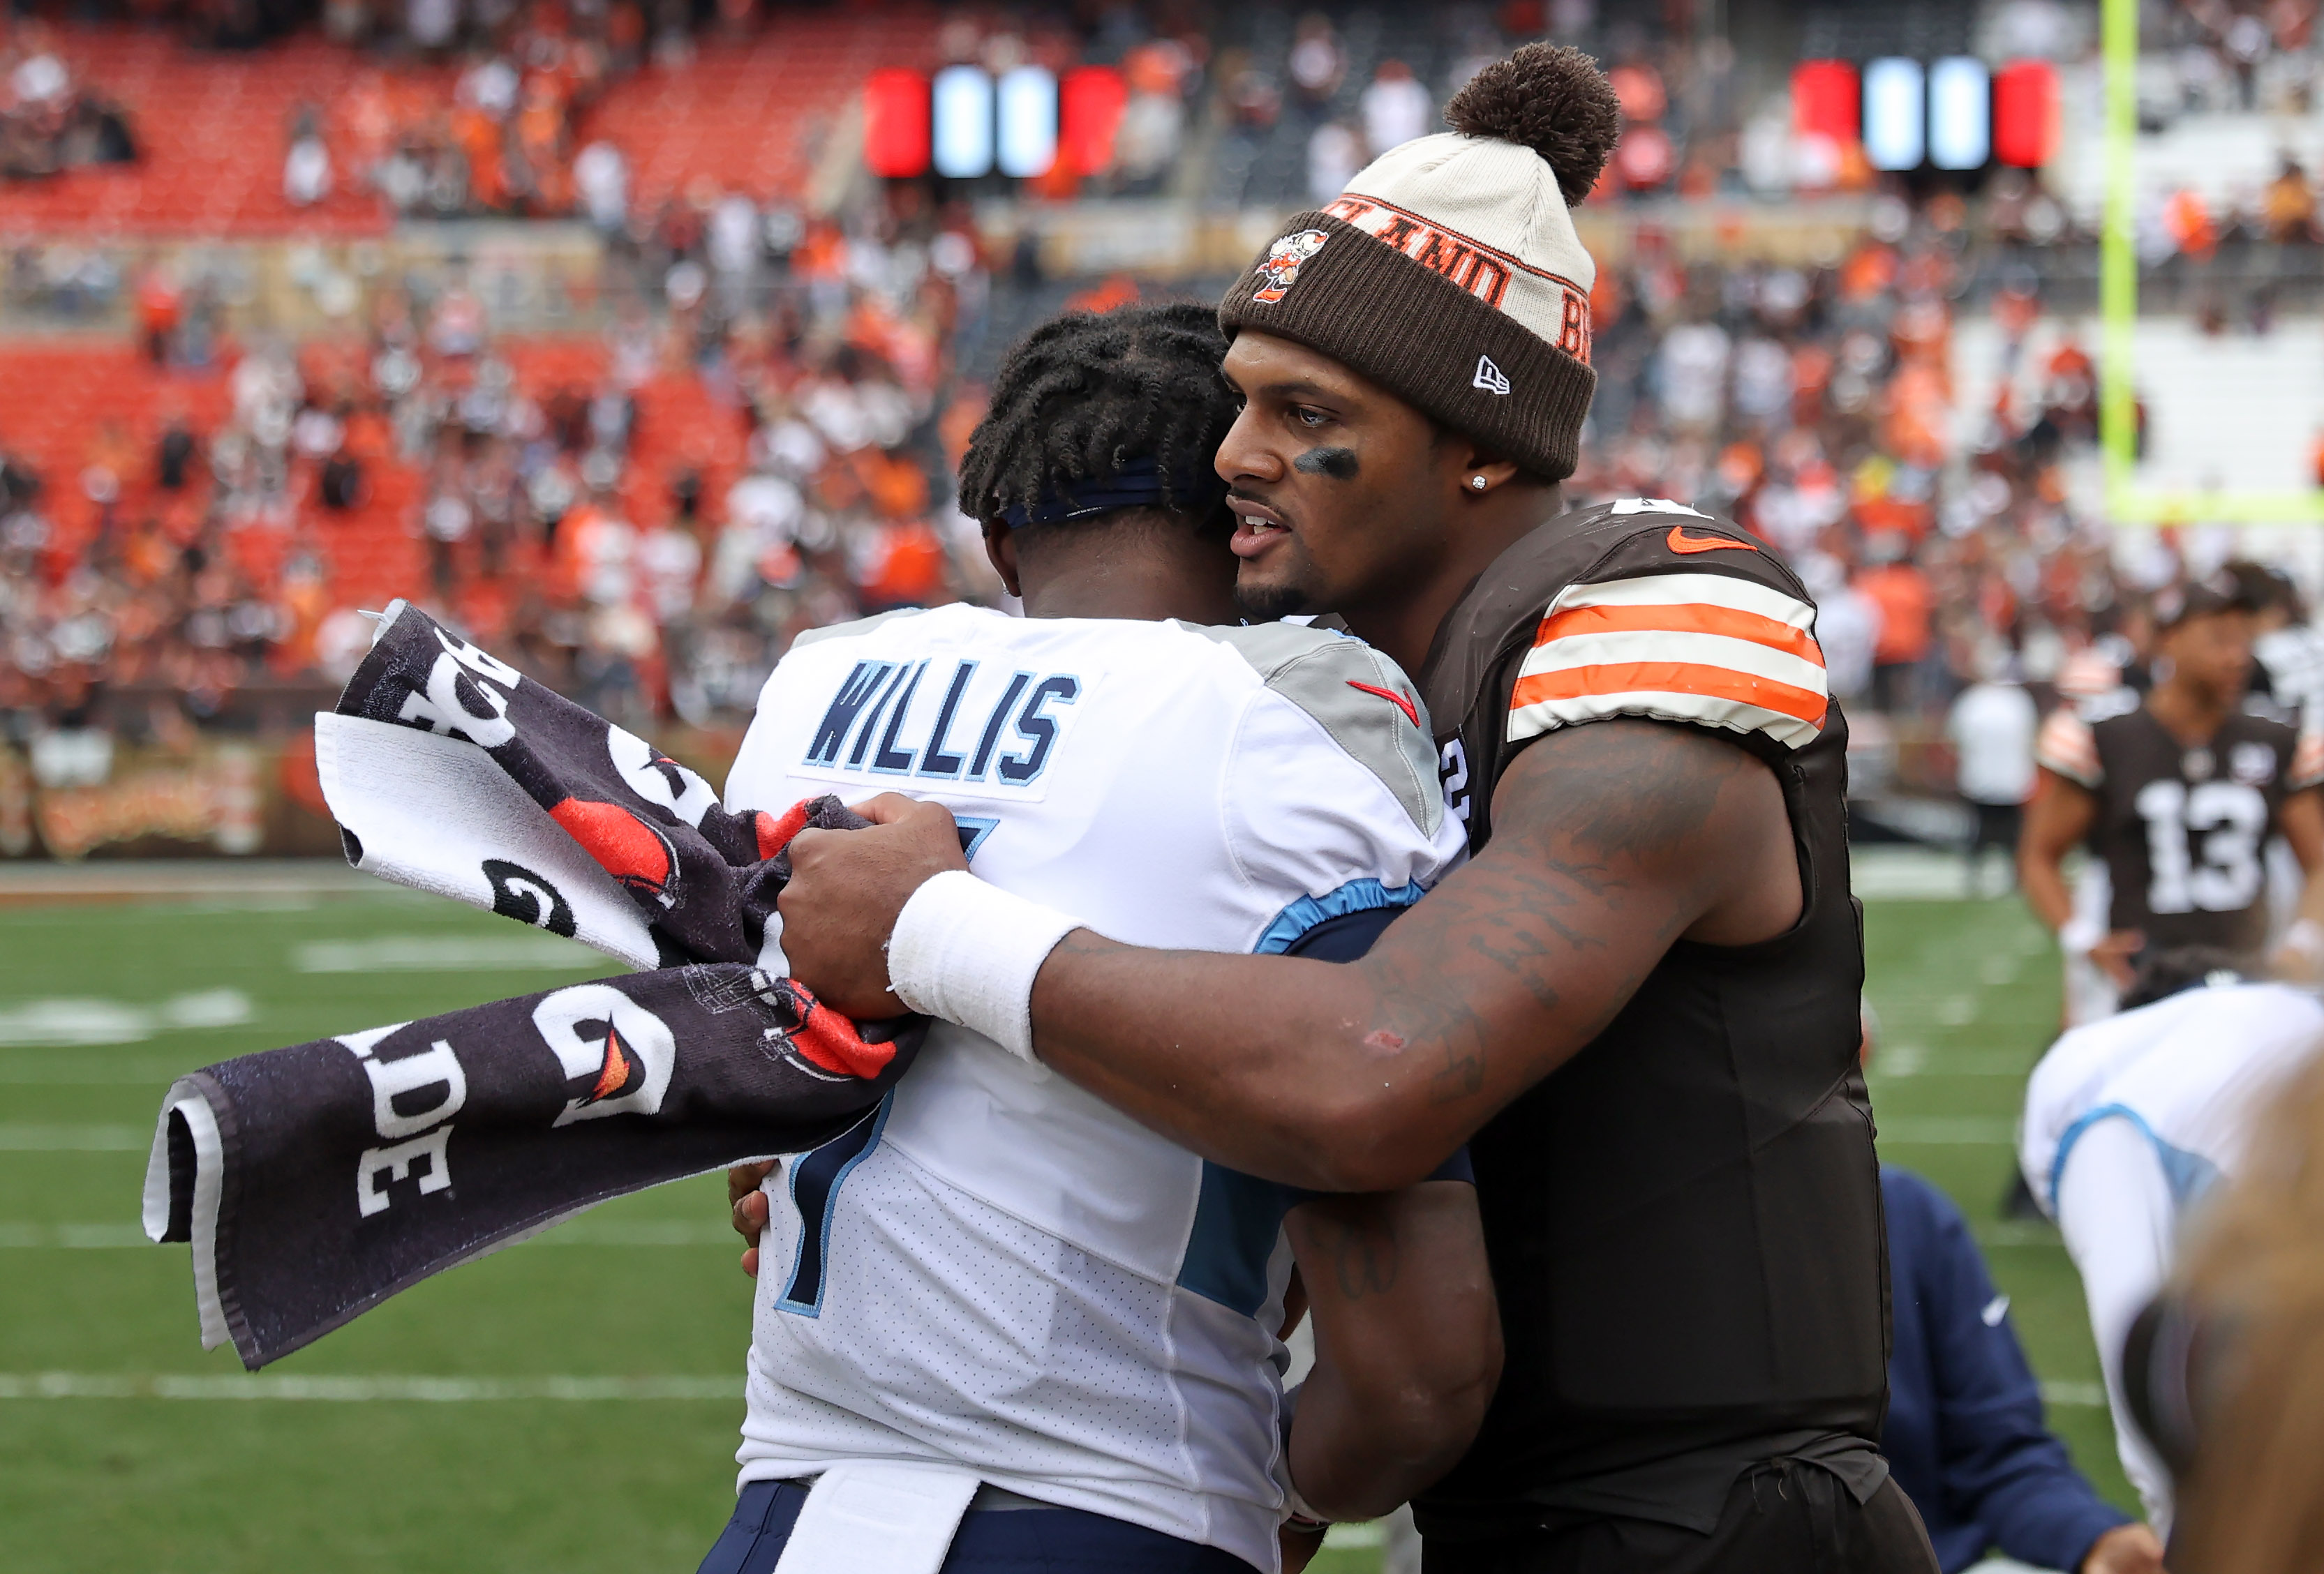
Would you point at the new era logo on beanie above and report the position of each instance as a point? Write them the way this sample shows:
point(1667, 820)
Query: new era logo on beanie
point(1456, 243)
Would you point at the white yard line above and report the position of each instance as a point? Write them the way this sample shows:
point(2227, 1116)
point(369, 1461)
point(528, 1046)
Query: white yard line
point(70, 1021)
point(1910, 1060)
point(154, 1074)
point(443, 953)
point(72, 1236)
point(209, 877)
point(361, 1390)
point(1998, 1233)
point(1900, 872)
point(645, 1233)
point(1949, 1130)
point(76, 1139)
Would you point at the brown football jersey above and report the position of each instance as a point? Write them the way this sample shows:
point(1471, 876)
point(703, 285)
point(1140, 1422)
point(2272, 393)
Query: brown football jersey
point(1685, 1219)
point(2183, 831)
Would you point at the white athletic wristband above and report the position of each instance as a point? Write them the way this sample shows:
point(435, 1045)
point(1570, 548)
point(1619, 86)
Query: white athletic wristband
point(2080, 935)
point(967, 952)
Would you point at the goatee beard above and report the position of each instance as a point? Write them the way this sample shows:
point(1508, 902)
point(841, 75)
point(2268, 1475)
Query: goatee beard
point(1268, 603)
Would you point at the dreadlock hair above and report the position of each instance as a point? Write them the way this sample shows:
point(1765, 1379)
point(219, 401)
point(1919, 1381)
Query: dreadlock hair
point(1087, 393)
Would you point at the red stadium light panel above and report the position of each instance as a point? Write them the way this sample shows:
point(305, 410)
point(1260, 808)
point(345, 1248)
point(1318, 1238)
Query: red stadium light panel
point(1824, 100)
point(2025, 114)
point(1089, 112)
point(896, 123)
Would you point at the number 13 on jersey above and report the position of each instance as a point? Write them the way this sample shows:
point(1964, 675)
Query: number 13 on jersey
point(2223, 821)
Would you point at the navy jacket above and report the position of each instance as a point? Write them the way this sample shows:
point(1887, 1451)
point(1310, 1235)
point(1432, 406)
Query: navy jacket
point(1964, 1436)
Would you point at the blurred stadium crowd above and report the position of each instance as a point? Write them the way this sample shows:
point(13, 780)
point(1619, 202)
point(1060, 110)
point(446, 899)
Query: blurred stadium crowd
point(756, 429)
point(789, 481)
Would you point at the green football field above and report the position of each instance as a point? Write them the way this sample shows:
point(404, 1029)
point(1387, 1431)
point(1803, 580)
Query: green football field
point(570, 1404)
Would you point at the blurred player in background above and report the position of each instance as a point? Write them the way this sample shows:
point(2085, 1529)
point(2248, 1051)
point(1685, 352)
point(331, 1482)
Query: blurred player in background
point(1992, 727)
point(2178, 798)
point(2105, 678)
point(1964, 1431)
point(996, 1273)
point(2227, 1373)
point(2129, 1121)
point(2287, 652)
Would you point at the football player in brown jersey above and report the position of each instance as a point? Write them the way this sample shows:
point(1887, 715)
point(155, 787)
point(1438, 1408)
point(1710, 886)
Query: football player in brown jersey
point(1637, 1002)
point(2179, 798)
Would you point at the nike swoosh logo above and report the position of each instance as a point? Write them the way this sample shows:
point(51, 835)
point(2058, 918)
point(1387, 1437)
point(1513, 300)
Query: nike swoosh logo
point(1411, 711)
point(1678, 540)
point(1995, 1310)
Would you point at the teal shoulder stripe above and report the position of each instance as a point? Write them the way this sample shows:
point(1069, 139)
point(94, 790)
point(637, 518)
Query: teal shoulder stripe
point(1358, 896)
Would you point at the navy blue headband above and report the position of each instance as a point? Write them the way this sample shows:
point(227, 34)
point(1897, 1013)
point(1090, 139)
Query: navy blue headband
point(1139, 483)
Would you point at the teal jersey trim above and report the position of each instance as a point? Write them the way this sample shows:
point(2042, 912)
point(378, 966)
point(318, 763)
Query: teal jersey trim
point(2188, 1174)
point(1237, 1219)
point(1358, 896)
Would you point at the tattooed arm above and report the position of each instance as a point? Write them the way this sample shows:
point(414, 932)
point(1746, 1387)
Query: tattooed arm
point(1611, 840)
point(1407, 1343)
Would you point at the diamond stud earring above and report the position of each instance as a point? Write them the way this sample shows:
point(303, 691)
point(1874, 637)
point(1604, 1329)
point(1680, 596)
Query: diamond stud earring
point(1478, 482)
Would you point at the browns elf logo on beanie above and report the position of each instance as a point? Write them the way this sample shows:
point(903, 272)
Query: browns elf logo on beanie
point(1283, 260)
point(1456, 253)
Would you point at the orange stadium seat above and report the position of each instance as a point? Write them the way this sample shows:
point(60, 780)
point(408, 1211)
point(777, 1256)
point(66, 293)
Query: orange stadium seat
point(56, 396)
point(743, 116)
point(213, 127)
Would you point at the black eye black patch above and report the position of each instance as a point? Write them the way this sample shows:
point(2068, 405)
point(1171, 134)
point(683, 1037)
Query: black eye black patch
point(1339, 463)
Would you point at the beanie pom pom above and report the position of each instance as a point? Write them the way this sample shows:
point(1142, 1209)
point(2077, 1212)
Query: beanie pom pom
point(1551, 98)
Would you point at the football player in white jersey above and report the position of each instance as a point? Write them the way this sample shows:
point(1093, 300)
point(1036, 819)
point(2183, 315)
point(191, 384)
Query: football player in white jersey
point(2130, 1120)
point(998, 1293)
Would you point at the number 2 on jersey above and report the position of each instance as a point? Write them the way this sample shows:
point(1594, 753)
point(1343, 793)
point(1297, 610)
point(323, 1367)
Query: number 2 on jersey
point(2230, 817)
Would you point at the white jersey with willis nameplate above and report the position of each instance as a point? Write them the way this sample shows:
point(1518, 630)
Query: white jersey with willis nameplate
point(997, 1271)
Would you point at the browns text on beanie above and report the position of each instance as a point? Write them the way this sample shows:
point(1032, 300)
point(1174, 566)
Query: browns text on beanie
point(1449, 271)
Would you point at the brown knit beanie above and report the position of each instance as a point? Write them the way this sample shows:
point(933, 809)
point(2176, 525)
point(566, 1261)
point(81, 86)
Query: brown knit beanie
point(1449, 271)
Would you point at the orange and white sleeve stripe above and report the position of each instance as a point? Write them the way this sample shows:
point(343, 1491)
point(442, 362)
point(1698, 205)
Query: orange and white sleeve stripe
point(2307, 760)
point(2067, 746)
point(1709, 648)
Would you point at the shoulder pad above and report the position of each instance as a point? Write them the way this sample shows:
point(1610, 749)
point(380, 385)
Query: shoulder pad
point(2306, 762)
point(1686, 620)
point(1501, 616)
point(1618, 508)
point(2067, 746)
point(1357, 695)
point(858, 626)
point(1653, 534)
